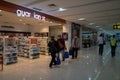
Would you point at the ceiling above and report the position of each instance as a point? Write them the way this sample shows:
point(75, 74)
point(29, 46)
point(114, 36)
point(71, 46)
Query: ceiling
point(100, 13)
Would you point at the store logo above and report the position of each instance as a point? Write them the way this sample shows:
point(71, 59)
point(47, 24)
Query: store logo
point(23, 13)
point(28, 14)
point(39, 17)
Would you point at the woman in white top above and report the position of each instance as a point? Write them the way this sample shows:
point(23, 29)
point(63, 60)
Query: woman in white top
point(101, 43)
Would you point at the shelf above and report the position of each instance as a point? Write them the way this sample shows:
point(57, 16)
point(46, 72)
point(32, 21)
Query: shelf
point(10, 62)
point(10, 57)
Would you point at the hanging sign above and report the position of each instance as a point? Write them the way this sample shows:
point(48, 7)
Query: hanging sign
point(116, 26)
point(22, 13)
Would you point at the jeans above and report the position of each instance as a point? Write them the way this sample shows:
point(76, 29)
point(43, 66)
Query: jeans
point(63, 52)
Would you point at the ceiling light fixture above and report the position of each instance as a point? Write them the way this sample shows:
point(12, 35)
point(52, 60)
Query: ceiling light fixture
point(91, 23)
point(52, 5)
point(97, 26)
point(81, 19)
point(62, 9)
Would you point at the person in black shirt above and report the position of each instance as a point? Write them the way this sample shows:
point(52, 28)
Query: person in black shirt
point(53, 49)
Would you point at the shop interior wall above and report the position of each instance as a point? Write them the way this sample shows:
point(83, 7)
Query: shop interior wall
point(38, 29)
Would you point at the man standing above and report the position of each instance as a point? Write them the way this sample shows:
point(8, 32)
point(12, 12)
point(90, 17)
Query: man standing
point(75, 47)
point(113, 44)
point(62, 46)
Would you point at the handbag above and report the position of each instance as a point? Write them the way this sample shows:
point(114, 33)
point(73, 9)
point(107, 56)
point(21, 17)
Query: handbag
point(66, 54)
point(58, 60)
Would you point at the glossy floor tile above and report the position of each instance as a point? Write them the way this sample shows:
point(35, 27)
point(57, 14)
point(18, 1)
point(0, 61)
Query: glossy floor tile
point(88, 66)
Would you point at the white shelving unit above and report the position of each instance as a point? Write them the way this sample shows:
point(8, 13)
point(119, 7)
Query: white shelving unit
point(10, 50)
point(34, 50)
point(27, 47)
point(43, 45)
point(23, 47)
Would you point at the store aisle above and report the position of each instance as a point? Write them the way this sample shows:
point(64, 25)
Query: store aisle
point(88, 66)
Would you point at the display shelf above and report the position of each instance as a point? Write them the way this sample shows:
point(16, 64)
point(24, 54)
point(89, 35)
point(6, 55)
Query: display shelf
point(28, 47)
point(10, 51)
point(43, 45)
point(34, 50)
point(23, 47)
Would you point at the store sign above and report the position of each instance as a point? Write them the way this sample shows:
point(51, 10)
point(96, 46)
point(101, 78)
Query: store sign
point(116, 26)
point(22, 13)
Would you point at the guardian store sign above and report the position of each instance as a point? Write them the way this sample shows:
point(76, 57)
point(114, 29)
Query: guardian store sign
point(22, 13)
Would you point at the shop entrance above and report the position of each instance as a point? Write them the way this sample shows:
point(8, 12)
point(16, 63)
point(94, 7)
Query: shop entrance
point(24, 38)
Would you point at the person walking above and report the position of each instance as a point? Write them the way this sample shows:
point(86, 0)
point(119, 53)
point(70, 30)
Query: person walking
point(62, 46)
point(53, 49)
point(101, 43)
point(113, 44)
point(75, 47)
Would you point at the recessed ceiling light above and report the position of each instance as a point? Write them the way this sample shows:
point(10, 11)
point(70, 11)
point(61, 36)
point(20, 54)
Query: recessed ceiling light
point(52, 5)
point(62, 9)
point(91, 23)
point(97, 26)
point(81, 19)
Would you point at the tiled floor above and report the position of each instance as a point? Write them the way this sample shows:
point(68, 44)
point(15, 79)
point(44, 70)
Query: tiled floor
point(88, 66)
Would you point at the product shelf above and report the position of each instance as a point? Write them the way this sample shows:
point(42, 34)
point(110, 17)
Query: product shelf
point(10, 51)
